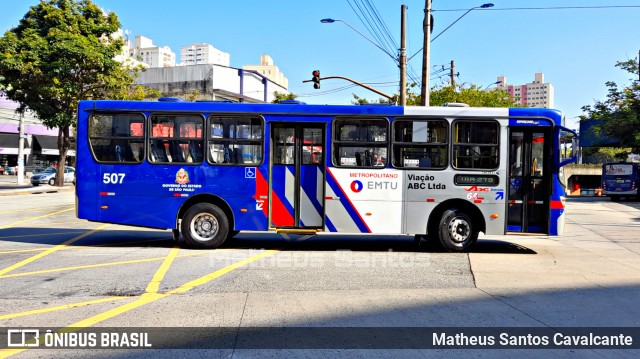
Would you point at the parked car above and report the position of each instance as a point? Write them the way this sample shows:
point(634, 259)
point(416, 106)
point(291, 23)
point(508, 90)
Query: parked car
point(49, 176)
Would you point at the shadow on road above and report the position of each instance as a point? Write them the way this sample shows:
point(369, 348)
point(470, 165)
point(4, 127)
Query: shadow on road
point(250, 240)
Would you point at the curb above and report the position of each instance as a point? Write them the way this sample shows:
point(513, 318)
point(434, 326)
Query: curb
point(10, 192)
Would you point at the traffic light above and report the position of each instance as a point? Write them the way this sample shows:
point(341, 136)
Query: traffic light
point(316, 79)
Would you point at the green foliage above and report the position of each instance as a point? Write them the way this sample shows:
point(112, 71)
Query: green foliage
point(283, 96)
point(620, 112)
point(606, 154)
point(472, 95)
point(357, 100)
point(193, 95)
point(63, 51)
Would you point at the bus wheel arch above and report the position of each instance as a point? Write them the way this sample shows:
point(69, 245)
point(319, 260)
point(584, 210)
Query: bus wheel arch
point(207, 210)
point(460, 211)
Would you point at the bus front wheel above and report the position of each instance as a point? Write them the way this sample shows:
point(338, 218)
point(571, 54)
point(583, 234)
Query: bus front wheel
point(205, 226)
point(456, 231)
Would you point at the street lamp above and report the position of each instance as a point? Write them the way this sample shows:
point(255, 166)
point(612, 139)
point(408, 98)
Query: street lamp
point(483, 6)
point(427, 41)
point(489, 85)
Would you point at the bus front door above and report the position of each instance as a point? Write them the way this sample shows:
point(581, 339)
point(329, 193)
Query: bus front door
point(297, 173)
point(529, 167)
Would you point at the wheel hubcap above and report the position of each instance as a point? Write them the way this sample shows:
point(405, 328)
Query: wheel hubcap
point(204, 227)
point(459, 230)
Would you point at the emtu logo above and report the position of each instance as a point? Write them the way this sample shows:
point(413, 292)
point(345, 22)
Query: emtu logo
point(356, 186)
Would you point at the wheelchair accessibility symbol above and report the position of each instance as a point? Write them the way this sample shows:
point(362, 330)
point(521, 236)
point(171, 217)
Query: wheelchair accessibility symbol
point(250, 172)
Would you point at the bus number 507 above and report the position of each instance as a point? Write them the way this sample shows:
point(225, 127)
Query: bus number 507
point(115, 178)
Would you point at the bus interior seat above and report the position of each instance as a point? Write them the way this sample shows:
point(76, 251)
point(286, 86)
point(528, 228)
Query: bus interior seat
point(358, 159)
point(119, 154)
point(195, 151)
point(176, 151)
point(123, 153)
point(238, 156)
point(158, 152)
point(367, 158)
point(226, 153)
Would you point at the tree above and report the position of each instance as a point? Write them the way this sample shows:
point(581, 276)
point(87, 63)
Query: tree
point(283, 96)
point(63, 51)
point(619, 114)
point(472, 95)
point(357, 100)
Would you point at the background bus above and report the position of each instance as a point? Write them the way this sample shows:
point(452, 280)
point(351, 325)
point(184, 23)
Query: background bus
point(620, 180)
point(207, 170)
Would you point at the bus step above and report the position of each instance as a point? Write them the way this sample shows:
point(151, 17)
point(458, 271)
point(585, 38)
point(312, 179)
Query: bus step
point(297, 231)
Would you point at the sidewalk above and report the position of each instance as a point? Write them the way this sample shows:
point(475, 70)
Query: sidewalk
point(9, 187)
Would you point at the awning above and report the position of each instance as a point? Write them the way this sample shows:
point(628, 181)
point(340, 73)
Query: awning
point(8, 140)
point(9, 144)
point(46, 145)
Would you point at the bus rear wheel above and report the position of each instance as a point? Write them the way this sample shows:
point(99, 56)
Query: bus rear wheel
point(205, 226)
point(456, 231)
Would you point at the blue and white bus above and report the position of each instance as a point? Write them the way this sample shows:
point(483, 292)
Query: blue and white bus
point(207, 170)
point(620, 180)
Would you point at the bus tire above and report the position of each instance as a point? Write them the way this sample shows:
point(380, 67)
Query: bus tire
point(456, 231)
point(205, 226)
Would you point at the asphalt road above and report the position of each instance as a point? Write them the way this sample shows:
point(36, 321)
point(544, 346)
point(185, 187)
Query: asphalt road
point(58, 271)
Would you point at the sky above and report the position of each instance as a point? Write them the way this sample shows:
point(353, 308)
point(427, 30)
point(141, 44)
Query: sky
point(575, 48)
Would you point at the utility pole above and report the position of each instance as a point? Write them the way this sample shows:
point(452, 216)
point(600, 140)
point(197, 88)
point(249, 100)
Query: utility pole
point(21, 150)
point(403, 56)
point(453, 75)
point(426, 62)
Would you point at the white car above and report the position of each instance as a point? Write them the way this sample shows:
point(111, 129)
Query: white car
point(49, 176)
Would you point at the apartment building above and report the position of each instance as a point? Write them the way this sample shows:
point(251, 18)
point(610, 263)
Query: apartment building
point(203, 53)
point(268, 69)
point(534, 94)
point(154, 56)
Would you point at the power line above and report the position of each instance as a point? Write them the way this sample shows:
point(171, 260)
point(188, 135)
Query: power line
point(550, 8)
point(383, 25)
point(362, 16)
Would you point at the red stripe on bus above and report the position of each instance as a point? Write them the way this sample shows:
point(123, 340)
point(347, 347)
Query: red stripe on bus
point(431, 199)
point(262, 192)
point(557, 204)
